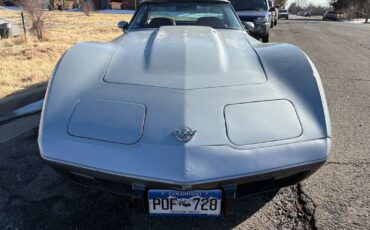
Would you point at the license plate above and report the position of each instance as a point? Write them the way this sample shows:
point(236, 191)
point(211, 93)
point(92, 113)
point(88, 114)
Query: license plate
point(194, 203)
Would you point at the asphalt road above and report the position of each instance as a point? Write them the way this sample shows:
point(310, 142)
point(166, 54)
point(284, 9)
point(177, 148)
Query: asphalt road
point(33, 196)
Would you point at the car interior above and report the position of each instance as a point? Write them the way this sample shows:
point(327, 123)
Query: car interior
point(203, 21)
point(160, 21)
point(218, 16)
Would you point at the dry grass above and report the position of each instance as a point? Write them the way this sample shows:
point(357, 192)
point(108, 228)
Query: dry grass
point(25, 64)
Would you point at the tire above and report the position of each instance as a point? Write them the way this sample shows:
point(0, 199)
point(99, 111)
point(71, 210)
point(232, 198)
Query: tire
point(265, 38)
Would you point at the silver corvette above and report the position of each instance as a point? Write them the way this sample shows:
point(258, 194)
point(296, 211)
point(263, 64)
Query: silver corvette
point(185, 112)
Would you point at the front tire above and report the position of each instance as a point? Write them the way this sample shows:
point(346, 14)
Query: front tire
point(265, 38)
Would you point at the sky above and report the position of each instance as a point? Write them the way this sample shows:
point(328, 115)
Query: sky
point(318, 2)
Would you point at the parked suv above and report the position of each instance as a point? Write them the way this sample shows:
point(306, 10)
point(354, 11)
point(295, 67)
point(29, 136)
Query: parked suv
point(258, 12)
point(330, 15)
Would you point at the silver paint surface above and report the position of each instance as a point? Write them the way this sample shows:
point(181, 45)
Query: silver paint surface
point(105, 120)
point(187, 82)
point(250, 123)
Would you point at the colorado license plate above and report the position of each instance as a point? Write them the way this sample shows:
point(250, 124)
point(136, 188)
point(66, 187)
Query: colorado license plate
point(195, 203)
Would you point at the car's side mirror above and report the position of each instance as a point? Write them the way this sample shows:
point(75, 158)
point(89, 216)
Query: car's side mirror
point(123, 25)
point(249, 26)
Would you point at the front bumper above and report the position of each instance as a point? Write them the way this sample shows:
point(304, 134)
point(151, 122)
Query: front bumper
point(331, 18)
point(239, 172)
point(260, 30)
point(179, 164)
point(138, 191)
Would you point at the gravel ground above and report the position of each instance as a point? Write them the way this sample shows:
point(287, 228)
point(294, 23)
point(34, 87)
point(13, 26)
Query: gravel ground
point(33, 196)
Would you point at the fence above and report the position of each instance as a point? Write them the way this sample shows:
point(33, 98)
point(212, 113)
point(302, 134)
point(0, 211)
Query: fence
point(52, 20)
point(17, 22)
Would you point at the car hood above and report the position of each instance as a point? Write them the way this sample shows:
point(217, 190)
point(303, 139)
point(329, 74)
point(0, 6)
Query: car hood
point(252, 13)
point(145, 107)
point(184, 57)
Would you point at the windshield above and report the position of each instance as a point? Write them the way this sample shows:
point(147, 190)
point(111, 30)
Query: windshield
point(216, 15)
point(250, 5)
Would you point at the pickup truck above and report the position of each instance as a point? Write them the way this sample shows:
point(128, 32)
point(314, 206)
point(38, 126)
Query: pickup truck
point(259, 12)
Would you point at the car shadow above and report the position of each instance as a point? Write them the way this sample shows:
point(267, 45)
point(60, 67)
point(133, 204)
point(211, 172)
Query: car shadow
point(35, 196)
point(22, 97)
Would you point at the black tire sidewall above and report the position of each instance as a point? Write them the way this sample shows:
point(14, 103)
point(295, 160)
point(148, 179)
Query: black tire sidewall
point(265, 38)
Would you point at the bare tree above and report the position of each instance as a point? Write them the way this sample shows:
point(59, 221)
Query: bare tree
point(301, 3)
point(281, 3)
point(87, 6)
point(351, 10)
point(35, 11)
point(353, 7)
point(51, 5)
point(314, 9)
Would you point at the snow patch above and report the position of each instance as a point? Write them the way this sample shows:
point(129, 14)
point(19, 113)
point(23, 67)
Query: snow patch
point(355, 21)
point(10, 8)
